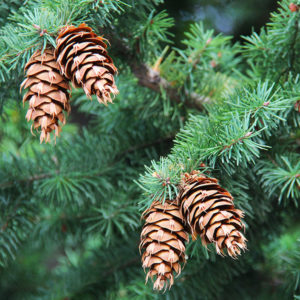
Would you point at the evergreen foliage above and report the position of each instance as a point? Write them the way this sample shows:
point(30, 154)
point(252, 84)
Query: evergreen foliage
point(70, 212)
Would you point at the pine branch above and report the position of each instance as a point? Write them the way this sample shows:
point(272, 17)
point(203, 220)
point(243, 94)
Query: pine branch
point(125, 265)
point(28, 179)
point(293, 44)
point(16, 222)
point(38, 177)
point(151, 79)
point(167, 139)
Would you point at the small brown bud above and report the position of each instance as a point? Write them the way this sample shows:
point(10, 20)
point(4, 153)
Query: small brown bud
point(248, 134)
point(37, 27)
point(155, 174)
point(43, 32)
point(293, 7)
point(64, 228)
point(208, 41)
point(213, 63)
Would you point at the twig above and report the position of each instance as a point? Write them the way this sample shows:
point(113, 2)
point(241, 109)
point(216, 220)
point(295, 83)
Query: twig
point(29, 179)
point(151, 79)
point(248, 134)
point(117, 159)
point(146, 145)
point(293, 54)
point(290, 66)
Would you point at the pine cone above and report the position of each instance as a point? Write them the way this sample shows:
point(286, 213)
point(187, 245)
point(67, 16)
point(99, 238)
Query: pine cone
point(48, 93)
point(209, 212)
point(163, 237)
point(83, 58)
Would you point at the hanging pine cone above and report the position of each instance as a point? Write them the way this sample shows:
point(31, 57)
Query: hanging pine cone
point(83, 58)
point(48, 94)
point(209, 212)
point(163, 239)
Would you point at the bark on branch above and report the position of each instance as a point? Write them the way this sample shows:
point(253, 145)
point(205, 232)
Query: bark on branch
point(151, 79)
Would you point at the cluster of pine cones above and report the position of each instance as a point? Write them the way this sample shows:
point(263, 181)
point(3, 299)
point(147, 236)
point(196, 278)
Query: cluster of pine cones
point(80, 57)
point(203, 209)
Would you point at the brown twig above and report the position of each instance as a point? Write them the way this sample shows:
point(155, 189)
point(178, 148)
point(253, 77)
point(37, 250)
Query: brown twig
point(248, 134)
point(151, 78)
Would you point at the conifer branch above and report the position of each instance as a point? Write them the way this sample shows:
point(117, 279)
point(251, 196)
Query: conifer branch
point(28, 179)
point(150, 144)
point(132, 261)
point(293, 44)
point(151, 79)
point(248, 134)
point(38, 177)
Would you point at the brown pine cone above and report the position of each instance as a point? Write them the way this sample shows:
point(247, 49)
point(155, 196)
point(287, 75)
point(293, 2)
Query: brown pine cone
point(48, 94)
point(163, 239)
point(83, 59)
point(209, 212)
